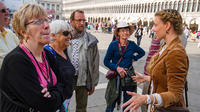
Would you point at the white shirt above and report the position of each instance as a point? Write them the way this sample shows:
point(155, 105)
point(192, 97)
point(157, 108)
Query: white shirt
point(8, 41)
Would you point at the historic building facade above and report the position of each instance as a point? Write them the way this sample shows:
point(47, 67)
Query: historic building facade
point(53, 7)
point(133, 11)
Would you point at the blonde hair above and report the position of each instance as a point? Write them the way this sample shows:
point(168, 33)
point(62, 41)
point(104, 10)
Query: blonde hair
point(172, 16)
point(25, 13)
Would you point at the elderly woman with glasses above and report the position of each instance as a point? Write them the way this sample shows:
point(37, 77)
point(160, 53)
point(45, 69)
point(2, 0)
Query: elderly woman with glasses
point(168, 68)
point(60, 34)
point(29, 78)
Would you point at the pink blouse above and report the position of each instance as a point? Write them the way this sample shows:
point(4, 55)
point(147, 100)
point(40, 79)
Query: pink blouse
point(42, 66)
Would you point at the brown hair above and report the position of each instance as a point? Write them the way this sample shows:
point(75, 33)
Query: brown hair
point(172, 16)
point(25, 13)
point(73, 14)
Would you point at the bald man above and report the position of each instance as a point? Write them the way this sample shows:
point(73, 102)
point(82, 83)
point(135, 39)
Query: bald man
point(8, 40)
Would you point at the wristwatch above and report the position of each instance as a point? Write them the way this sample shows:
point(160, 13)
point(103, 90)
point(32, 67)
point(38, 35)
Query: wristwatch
point(148, 99)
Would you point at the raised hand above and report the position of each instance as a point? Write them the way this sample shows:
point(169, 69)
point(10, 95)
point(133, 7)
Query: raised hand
point(139, 78)
point(135, 102)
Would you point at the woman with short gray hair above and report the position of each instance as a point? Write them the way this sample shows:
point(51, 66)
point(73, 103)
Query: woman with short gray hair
point(60, 35)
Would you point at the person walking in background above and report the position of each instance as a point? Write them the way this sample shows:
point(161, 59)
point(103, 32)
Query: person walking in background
point(84, 55)
point(187, 32)
point(8, 40)
point(29, 77)
point(168, 68)
point(126, 51)
point(138, 34)
point(60, 35)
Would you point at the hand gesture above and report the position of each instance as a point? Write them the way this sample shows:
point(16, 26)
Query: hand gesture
point(140, 78)
point(135, 102)
point(122, 72)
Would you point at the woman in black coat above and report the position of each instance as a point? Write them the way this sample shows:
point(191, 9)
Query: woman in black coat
point(29, 79)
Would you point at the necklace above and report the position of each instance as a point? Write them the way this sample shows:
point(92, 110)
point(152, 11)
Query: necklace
point(47, 70)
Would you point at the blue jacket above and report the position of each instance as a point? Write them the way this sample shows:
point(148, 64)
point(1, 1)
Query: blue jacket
point(133, 52)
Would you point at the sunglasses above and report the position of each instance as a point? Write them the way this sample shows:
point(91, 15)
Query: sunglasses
point(4, 10)
point(66, 33)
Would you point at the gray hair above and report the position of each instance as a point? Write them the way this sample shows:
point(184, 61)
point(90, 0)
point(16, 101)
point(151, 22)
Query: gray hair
point(59, 26)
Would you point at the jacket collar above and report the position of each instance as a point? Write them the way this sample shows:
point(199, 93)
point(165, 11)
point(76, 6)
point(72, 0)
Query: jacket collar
point(169, 47)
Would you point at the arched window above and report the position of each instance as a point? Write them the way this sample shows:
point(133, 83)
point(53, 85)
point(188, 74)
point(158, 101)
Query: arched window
point(175, 5)
point(131, 8)
point(126, 8)
point(189, 6)
point(162, 5)
point(122, 9)
point(170, 5)
point(158, 6)
point(148, 8)
point(142, 8)
point(151, 8)
point(134, 8)
point(139, 8)
point(194, 5)
point(198, 9)
point(155, 6)
point(166, 5)
point(184, 5)
point(179, 6)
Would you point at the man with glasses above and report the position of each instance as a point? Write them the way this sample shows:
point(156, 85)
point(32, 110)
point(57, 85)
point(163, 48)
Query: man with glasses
point(84, 55)
point(8, 39)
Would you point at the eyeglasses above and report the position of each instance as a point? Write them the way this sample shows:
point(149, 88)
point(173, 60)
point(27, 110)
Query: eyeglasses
point(79, 20)
point(38, 22)
point(66, 33)
point(4, 10)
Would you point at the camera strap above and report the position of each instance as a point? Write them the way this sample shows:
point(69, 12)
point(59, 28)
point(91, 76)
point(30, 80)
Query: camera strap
point(121, 51)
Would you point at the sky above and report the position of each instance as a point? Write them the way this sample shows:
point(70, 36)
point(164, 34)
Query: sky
point(14, 4)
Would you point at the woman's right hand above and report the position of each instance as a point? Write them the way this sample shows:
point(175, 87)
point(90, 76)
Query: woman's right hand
point(140, 78)
point(45, 92)
point(122, 72)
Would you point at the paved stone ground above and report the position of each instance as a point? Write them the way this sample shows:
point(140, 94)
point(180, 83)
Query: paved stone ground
point(96, 102)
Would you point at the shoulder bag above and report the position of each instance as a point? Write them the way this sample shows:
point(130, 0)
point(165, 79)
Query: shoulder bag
point(111, 73)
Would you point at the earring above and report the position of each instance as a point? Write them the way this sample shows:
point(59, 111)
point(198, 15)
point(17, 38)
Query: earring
point(167, 32)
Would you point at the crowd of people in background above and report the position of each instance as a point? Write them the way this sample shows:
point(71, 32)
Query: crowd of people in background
point(141, 30)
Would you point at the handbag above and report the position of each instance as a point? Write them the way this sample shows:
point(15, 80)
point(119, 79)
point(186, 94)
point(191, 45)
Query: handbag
point(111, 73)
